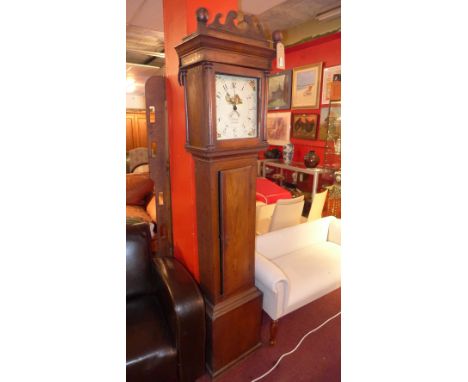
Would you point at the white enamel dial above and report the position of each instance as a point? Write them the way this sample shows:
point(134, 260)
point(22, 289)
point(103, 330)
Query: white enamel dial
point(236, 106)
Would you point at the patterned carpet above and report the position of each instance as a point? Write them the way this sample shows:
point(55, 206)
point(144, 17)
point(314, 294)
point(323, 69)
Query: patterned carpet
point(318, 359)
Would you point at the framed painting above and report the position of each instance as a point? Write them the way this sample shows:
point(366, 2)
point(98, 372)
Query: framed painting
point(304, 126)
point(334, 119)
point(279, 91)
point(328, 75)
point(306, 86)
point(278, 128)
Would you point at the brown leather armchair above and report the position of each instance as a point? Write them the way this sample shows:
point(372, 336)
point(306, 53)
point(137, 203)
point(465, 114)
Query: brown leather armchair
point(165, 315)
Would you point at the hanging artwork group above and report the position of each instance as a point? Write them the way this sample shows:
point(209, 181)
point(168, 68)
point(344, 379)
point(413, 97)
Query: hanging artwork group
point(302, 88)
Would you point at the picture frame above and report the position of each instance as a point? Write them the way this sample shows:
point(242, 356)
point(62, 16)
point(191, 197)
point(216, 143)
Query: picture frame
point(279, 90)
point(278, 128)
point(328, 76)
point(306, 84)
point(324, 121)
point(304, 126)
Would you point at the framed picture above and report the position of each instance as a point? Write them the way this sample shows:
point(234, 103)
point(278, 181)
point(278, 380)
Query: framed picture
point(334, 119)
point(278, 128)
point(328, 75)
point(304, 126)
point(306, 86)
point(279, 91)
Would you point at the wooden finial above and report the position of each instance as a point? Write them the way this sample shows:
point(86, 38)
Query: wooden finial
point(202, 15)
point(277, 36)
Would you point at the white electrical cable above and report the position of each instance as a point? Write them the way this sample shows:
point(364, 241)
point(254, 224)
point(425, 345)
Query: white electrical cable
point(292, 351)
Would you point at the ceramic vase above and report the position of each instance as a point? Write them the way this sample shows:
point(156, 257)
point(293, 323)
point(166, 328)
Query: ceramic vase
point(269, 154)
point(311, 159)
point(288, 152)
point(272, 154)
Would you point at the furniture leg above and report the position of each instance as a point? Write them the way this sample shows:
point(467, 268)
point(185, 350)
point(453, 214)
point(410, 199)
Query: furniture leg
point(273, 332)
point(314, 186)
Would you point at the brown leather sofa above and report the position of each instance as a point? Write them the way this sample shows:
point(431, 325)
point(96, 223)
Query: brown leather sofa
point(165, 315)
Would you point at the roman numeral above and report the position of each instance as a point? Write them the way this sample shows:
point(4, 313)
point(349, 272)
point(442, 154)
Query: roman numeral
point(233, 85)
point(225, 87)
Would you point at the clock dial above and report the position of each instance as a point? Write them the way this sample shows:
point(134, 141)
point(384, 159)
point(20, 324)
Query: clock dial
point(236, 106)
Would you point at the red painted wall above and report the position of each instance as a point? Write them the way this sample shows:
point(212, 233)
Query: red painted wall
point(327, 50)
point(179, 21)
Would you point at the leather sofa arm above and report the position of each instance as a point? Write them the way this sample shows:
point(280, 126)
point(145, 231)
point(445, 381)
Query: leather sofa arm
point(184, 307)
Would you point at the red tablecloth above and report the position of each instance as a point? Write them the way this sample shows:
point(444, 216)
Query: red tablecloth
point(269, 192)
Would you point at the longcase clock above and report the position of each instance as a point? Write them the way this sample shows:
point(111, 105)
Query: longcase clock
point(223, 68)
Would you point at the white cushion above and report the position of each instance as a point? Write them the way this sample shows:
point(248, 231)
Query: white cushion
point(312, 272)
point(290, 239)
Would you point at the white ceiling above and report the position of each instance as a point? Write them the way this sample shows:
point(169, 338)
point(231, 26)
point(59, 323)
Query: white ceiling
point(145, 14)
point(259, 6)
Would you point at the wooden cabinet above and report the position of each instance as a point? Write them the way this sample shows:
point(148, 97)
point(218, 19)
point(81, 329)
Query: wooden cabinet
point(137, 135)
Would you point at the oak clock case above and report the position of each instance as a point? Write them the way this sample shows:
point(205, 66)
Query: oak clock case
point(223, 70)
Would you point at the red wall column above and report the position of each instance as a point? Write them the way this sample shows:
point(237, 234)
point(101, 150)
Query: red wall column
point(179, 21)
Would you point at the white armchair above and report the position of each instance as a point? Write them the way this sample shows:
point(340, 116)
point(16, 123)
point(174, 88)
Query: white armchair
point(297, 265)
point(284, 213)
point(316, 208)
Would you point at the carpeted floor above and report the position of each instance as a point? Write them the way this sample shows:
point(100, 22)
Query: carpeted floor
point(318, 359)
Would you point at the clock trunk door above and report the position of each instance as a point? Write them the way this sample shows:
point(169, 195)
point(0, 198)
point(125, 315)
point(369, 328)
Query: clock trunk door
point(237, 222)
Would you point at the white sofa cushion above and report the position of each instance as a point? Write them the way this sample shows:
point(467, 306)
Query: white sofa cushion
point(312, 272)
point(287, 240)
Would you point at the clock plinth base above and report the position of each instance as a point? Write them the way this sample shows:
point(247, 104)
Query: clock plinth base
point(233, 330)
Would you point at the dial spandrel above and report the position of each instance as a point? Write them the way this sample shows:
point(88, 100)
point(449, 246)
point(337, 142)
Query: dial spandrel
point(236, 106)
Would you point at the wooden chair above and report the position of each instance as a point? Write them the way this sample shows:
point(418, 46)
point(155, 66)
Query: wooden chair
point(316, 208)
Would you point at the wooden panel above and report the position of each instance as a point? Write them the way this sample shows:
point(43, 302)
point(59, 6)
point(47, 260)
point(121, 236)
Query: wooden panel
point(206, 181)
point(130, 122)
point(233, 330)
point(236, 188)
point(141, 130)
point(155, 94)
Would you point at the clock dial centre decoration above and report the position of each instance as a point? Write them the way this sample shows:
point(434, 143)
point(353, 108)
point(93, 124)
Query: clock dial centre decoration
point(236, 106)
